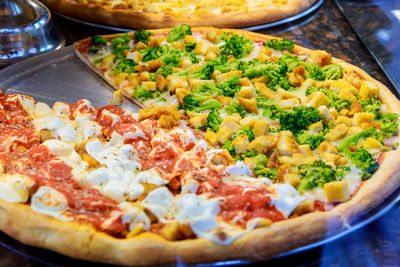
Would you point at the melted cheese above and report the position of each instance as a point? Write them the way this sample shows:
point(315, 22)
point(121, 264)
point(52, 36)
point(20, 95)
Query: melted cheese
point(50, 202)
point(15, 188)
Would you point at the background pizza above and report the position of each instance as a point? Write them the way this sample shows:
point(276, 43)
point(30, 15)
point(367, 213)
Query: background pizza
point(163, 14)
point(89, 141)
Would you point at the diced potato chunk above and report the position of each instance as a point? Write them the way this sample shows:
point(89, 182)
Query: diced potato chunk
point(341, 84)
point(368, 90)
point(355, 108)
point(176, 82)
point(306, 206)
point(171, 231)
point(321, 58)
point(211, 137)
point(293, 179)
point(265, 91)
point(248, 121)
point(316, 127)
point(135, 231)
point(194, 83)
point(286, 145)
point(223, 134)
point(249, 104)
point(317, 99)
point(161, 82)
point(263, 222)
point(337, 191)
point(117, 98)
point(231, 122)
point(149, 86)
point(260, 127)
point(198, 120)
point(45, 134)
point(336, 133)
point(371, 143)
point(250, 162)
point(347, 95)
point(247, 92)
point(181, 93)
point(224, 76)
point(343, 119)
point(212, 35)
point(263, 144)
point(240, 143)
point(362, 117)
point(189, 39)
point(289, 103)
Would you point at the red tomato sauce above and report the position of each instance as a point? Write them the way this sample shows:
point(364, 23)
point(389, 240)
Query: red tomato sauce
point(84, 204)
point(240, 204)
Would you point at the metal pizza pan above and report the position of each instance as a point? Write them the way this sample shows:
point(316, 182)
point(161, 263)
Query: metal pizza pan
point(61, 76)
point(251, 28)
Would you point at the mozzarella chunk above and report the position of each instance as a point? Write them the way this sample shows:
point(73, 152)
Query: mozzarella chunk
point(159, 202)
point(50, 202)
point(134, 216)
point(15, 188)
point(239, 169)
point(286, 198)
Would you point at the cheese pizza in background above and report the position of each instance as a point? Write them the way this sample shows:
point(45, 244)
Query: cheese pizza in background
point(247, 146)
point(139, 14)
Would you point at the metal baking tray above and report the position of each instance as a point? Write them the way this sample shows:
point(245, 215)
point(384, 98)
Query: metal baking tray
point(251, 28)
point(61, 76)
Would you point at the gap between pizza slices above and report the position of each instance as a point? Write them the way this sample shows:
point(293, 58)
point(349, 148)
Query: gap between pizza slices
point(247, 146)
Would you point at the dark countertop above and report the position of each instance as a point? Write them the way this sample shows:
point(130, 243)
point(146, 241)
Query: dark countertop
point(373, 245)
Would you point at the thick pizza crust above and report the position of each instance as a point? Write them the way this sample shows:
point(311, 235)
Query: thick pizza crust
point(145, 20)
point(84, 242)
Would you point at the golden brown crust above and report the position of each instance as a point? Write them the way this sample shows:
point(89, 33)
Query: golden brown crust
point(84, 242)
point(145, 20)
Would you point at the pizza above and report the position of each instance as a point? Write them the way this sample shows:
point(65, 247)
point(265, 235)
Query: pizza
point(246, 146)
point(161, 14)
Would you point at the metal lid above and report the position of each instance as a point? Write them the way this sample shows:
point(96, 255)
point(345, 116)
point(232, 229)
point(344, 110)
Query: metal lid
point(26, 29)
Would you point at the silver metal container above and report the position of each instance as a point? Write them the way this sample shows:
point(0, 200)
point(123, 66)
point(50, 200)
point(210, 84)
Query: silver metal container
point(26, 30)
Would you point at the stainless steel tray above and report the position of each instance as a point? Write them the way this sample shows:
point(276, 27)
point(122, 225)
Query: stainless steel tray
point(252, 28)
point(60, 76)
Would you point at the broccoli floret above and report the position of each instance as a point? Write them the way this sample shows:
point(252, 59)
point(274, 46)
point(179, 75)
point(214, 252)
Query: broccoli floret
point(245, 130)
point(389, 123)
point(315, 175)
point(125, 66)
point(268, 105)
point(266, 172)
point(236, 108)
point(363, 160)
point(142, 36)
point(311, 89)
point(311, 138)
point(203, 73)
point(352, 140)
point(142, 94)
point(98, 40)
point(230, 86)
point(164, 70)
point(332, 96)
point(120, 41)
point(153, 77)
point(332, 72)
point(290, 61)
point(229, 146)
point(255, 70)
point(178, 32)
point(314, 72)
point(298, 119)
point(342, 171)
point(339, 104)
point(214, 120)
point(280, 44)
point(190, 47)
point(210, 104)
point(93, 50)
point(199, 95)
point(275, 75)
point(373, 105)
point(261, 159)
point(236, 45)
point(173, 57)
